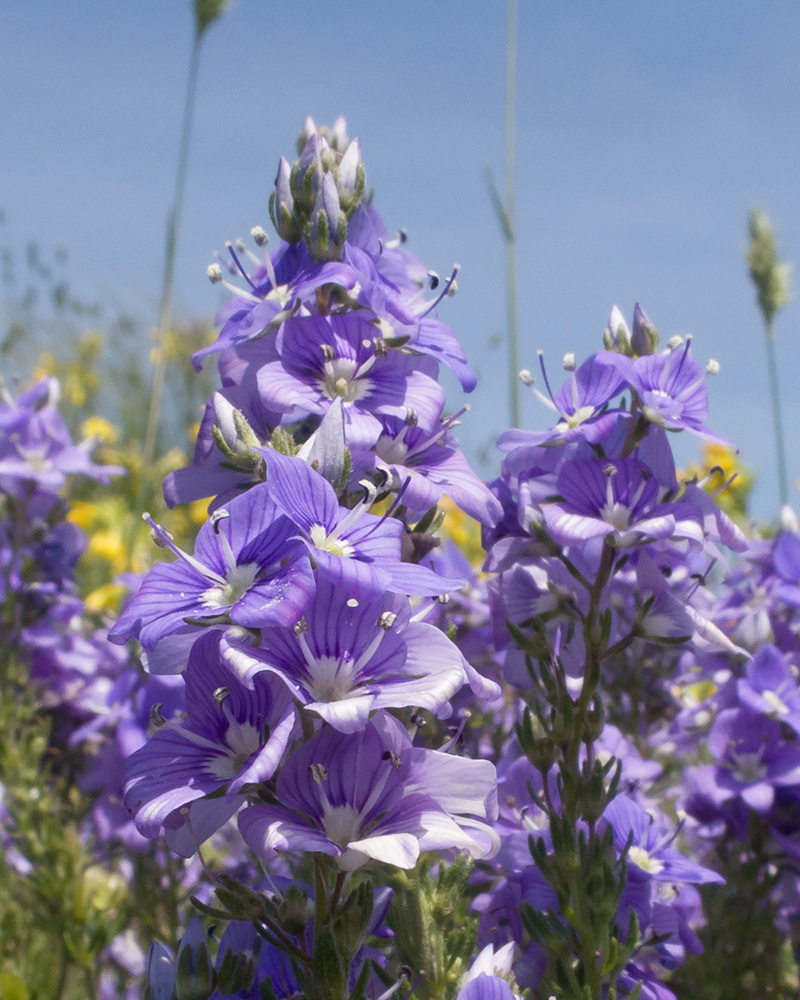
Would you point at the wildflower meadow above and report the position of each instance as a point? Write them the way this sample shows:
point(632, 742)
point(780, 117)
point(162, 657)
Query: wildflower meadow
point(295, 704)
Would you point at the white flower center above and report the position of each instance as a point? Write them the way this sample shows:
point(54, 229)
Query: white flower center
point(617, 515)
point(342, 824)
point(391, 450)
point(243, 740)
point(775, 703)
point(332, 678)
point(280, 294)
point(578, 417)
point(342, 379)
point(36, 458)
point(748, 768)
point(238, 580)
point(329, 543)
point(642, 858)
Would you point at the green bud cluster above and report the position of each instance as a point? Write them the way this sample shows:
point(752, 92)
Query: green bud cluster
point(315, 196)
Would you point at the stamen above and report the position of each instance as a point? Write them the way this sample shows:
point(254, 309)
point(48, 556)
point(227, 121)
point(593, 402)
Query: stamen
point(451, 281)
point(239, 266)
point(544, 376)
point(164, 540)
point(319, 773)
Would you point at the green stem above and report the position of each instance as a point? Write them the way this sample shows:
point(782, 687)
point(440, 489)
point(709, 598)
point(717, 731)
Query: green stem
point(511, 239)
point(169, 261)
point(772, 366)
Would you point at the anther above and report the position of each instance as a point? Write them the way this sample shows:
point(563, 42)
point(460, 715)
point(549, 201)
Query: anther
point(443, 598)
point(569, 362)
point(319, 773)
point(214, 272)
point(674, 342)
point(328, 352)
point(402, 235)
point(610, 470)
point(260, 236)
point(301, 627)
point(393, 757)
point(417, 720)
point(239, 244)
point(433, 278)
point(412, 417)
point(156, 718)
point(712, 368)
point(352, 603)
point(386, 620)
point(216, 517)
point(526, 378)
point(381, 350)
point(220, 695)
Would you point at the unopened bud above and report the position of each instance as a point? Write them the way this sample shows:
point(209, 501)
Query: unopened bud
point(644, 339)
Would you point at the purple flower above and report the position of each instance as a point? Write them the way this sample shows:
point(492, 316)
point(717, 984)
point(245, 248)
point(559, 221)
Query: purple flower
point(424, 466)
point(246, 566)
point(650, 853)
point(276, 287)
point(323, 358)
point(233, 736)
point(354, 547)
point(770, 687)
point(618, 499)
point(753, 759)
point(393, 284)
point(37, 448)
point(580, 404)
point(671, 387)
point(350, 656)
point(342, 795)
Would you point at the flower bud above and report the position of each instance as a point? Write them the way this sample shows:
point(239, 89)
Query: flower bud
point(308, 129)
point(645, 336)
point(351, 179)
point(617, 336)
point(160, 974)
point(195, 974)
point(281, 205)
point(328, 229)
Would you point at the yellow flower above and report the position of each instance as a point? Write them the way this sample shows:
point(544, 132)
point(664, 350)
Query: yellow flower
point(108, 545)
point(463, 529)
point(105, 598)
point(100, 429)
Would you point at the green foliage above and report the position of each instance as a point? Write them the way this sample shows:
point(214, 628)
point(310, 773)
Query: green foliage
point(435, 930)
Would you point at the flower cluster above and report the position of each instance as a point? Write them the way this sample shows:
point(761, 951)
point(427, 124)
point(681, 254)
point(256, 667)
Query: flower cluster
point(390, 770)
point(601, 559)
point(302, 625)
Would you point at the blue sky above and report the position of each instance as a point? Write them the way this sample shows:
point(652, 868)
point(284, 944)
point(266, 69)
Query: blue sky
point(645, 132)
